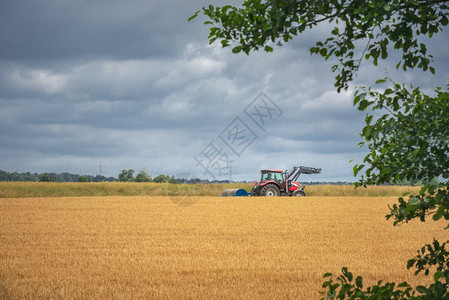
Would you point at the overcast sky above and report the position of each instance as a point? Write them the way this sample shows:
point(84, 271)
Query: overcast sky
point(132, 84)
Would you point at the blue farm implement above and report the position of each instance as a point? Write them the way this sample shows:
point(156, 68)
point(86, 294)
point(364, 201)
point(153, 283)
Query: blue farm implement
point(235, 192)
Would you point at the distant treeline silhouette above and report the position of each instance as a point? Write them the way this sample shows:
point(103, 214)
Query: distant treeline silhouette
point(55, 177)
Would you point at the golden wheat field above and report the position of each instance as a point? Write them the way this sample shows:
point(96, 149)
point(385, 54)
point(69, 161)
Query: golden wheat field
point(72, 189)
point(141, 247)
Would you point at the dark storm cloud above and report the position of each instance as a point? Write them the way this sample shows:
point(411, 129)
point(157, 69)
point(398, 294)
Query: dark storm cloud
point(49, 30)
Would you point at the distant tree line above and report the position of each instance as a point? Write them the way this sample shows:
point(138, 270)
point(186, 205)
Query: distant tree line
point(52, 177)
point(144, 176)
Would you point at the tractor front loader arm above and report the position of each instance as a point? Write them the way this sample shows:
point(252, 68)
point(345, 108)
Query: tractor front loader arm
point(296, 171)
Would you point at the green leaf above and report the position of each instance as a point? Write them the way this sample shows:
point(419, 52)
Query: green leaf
point(236, 49)
point(212, 40)
point(439, 213)
point(331, 294)
point(357, 168)
point(387, 7)
point(410, 263)
point(193, 16)
point(224, 43)
point(382, 80)
point(268, 49)
point(422, 289)
point(358, 282)
point(363, 105)
point(437, 275)
point(323, 51)
point(413, 201)
point(368, 119)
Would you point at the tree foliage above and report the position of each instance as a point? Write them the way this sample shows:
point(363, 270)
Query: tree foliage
point(407, 134)
point(360, 29)
point(409, 141)
point(59, 177)
point(406, 131)
point(143, 175)
point(84, 178)
point(126, 175)
point(165, 178)
point(45, 177)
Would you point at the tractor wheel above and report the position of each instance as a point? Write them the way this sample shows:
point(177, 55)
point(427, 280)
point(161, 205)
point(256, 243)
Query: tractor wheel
point(270, 190)
point(299, 193)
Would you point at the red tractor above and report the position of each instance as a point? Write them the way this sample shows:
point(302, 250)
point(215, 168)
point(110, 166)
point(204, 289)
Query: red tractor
point(275, 183)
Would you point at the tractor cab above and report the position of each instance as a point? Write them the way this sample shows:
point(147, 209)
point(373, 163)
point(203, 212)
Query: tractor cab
point(272, 175)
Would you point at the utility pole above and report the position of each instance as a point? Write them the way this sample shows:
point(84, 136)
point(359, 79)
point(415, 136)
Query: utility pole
point(100, 171)
point(230, 170)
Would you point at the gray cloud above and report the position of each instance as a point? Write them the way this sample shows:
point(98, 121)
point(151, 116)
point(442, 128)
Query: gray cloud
point(48, 30)
point(132, 84)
